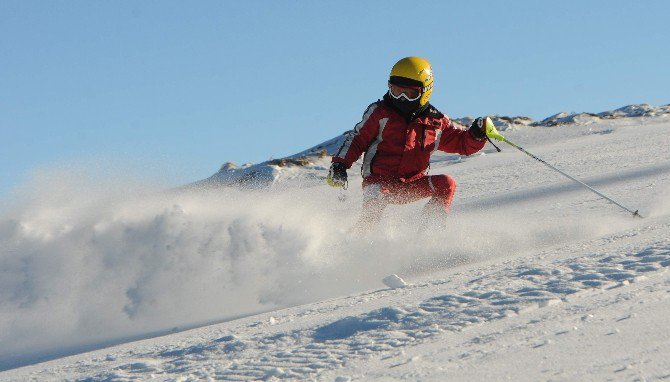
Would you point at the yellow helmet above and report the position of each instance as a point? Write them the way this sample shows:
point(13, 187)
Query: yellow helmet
point(416, 69)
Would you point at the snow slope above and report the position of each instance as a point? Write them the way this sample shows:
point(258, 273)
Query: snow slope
point(533, 277)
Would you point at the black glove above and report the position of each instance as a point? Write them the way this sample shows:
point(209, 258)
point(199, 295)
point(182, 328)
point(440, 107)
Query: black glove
point(478, 128)
point(337, 175)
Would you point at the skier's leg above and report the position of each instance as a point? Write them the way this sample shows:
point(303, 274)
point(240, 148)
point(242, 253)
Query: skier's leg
point(442, 188)
point(374, 203)
point(435, 212)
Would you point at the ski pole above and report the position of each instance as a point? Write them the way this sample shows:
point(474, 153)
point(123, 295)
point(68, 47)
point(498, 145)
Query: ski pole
point(492, 132)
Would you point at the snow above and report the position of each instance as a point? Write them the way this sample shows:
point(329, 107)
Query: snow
point(533, 278)
point(394, 281)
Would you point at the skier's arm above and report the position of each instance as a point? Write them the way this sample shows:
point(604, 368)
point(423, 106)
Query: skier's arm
point(457, 141)
point(358, 139)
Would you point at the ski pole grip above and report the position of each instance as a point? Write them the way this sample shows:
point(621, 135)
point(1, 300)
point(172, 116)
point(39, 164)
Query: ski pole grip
point(491, 131)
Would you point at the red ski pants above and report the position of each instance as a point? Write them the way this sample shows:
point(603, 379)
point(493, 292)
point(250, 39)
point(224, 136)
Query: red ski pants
point(380, 192)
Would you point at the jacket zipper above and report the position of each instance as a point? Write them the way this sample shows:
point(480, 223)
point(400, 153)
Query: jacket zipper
point(423, 139)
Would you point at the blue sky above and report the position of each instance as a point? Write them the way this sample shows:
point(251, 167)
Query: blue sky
point(177, 88)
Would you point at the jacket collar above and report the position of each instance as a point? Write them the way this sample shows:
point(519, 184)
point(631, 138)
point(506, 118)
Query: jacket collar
point(424, 111)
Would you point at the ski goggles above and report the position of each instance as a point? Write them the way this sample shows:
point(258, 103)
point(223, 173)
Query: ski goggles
point(410, 93)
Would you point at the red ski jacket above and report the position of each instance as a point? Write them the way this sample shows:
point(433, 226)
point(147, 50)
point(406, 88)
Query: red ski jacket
point(397, 149)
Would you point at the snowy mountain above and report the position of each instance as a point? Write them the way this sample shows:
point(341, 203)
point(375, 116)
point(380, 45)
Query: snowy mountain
point(277, 170)
point(533, 277)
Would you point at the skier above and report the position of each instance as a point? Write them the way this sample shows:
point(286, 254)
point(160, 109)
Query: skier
point(398, 135)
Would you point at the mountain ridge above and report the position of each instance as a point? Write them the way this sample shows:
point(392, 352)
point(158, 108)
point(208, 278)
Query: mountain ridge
point(265, 174)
